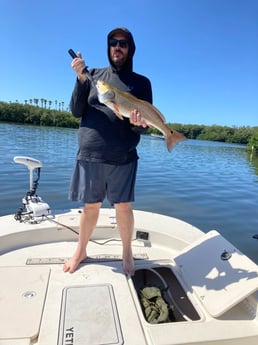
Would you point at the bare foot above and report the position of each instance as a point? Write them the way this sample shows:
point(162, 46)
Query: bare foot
point(72, 264)
point(128, 265)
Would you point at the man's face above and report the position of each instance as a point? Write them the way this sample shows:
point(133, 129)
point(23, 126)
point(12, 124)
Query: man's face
point(119, 52)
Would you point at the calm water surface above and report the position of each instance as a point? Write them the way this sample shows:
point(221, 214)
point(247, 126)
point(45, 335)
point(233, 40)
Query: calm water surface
point(210, 185)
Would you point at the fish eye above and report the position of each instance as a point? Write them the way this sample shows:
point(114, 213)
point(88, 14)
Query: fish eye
point(110, 94)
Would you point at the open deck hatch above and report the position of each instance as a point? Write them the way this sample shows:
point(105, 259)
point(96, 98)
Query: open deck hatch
point(211, 268)
point(179, 306)
point(219, 274)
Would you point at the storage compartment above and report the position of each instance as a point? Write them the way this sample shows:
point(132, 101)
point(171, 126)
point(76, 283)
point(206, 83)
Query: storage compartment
point(22, 298)
point(89, 316)
point(162, 277)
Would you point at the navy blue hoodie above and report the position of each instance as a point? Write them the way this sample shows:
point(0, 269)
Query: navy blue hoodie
point(102, 136)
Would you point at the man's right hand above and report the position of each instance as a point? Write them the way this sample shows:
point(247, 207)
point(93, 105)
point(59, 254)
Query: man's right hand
point(78, 65)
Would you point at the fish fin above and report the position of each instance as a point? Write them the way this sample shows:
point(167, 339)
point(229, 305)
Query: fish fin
point(117, 112)
point(174, 138)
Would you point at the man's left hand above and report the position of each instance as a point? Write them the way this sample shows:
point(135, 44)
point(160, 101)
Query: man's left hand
point(136, 119)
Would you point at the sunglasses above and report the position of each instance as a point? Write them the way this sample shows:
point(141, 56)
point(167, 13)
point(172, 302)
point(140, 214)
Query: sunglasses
point(122, 43)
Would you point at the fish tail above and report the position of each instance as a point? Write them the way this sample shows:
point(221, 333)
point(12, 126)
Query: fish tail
point(173, 138)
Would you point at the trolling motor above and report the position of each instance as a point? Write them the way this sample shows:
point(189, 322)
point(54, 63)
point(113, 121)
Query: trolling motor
point(33, 206)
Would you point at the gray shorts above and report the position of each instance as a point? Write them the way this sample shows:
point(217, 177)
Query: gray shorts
point(93, 182)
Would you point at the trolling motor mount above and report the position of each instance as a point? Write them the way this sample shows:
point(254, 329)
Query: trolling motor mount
point(33, 208)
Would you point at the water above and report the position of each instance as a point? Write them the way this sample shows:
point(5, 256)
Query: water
point(210, 185)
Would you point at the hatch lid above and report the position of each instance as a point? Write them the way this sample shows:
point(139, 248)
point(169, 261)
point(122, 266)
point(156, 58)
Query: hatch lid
point(22, 297)
point(219, 274)
point(89, 316)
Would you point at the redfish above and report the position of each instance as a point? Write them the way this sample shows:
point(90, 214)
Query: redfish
point(122, 103)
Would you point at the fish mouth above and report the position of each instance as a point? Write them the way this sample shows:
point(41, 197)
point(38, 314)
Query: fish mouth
point(101, 86)
point(104, 93)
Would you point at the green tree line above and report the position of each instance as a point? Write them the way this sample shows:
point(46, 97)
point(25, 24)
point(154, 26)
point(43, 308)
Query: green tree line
point(43, 116)
point(36, 115)
point(239, 135)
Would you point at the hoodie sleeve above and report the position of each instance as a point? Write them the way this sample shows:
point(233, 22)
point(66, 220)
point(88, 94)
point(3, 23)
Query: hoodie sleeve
point(147, 91)
point(79, 99)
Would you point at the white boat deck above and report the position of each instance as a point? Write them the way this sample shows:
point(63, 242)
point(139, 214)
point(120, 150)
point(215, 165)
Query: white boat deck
point(98, 304)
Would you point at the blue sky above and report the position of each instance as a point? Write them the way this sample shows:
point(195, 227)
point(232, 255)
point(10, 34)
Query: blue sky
point(200, 55)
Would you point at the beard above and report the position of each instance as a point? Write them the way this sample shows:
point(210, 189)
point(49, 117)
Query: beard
point(118, 58)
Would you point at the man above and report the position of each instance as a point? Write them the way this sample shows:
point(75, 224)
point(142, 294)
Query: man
point(107, 157)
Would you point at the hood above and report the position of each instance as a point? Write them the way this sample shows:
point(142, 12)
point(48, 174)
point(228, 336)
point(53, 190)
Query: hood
point(127, 33)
